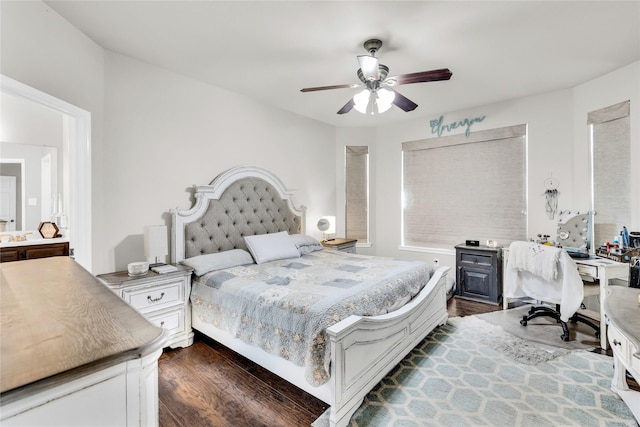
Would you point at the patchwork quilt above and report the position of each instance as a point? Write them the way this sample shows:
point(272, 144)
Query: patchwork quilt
point(285, 306)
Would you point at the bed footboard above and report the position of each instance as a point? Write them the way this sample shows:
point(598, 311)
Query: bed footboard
point(365, 349)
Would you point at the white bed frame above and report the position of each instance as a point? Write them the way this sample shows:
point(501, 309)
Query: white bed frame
point(363, 349)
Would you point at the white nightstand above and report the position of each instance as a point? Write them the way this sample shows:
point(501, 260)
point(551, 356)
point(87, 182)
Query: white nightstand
point(162, 298)
point(340, 244)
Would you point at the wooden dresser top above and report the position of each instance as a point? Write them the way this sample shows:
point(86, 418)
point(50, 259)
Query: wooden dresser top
point(623, 310)
point(56, 319)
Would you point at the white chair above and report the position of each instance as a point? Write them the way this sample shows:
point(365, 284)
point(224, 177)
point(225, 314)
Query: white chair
point(549, 275)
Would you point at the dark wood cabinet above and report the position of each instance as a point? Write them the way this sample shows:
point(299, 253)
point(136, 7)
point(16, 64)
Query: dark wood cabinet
point(479, 273)
point(33, 251)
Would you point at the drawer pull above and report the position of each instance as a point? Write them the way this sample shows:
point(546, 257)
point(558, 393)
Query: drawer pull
point(616, 342)
point(155, 299)
point(162, 324)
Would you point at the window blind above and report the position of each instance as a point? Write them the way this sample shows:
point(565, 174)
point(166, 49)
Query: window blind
point(357, 192)
point(611, 166)
point(457, 188)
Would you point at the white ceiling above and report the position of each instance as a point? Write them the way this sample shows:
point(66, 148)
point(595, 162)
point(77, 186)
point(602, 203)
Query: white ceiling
point(269, 50)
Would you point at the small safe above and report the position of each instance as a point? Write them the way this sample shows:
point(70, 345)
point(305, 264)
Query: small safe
point(479, 273)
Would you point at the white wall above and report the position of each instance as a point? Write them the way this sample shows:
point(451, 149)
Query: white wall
point(612, 88)
point(162, 132)
point(166, 132)
point(557, 146)
point(42, 50)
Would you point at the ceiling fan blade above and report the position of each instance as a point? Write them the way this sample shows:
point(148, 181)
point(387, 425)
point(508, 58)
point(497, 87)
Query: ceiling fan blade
point(346, 86)
point(403, 102)
point(369, 66)
point(422, 76)
point(347, 107)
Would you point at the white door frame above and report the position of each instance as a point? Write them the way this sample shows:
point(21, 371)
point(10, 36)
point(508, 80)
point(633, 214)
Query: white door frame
point(9, 203)
point(79, 139)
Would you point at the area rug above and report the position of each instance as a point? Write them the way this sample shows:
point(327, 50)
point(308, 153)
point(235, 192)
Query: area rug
point(469, 372)
point(543, 330)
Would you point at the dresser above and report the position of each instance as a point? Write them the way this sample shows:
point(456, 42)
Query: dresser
point(73, 353)
point(479, 273)
point(33, 249)
point(622, 309)
point(162, 298)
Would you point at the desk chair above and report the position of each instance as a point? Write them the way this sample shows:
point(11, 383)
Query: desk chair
point(549, 275)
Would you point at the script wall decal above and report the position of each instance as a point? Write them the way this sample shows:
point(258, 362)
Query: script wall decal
point(438, 127)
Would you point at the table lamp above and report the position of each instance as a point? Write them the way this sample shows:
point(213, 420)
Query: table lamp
point(155, 243)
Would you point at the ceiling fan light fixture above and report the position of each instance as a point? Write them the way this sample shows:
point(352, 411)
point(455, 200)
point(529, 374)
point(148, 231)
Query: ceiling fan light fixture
point(361, 101)
point(373, 102)
point(377, 98)
point(385, 99)
point(370, 67)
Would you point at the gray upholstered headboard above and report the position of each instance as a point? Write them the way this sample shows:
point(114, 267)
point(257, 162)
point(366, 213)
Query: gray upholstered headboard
point(243, 201)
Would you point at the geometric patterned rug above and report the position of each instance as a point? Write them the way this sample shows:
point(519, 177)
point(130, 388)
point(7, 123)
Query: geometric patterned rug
point(469, 372)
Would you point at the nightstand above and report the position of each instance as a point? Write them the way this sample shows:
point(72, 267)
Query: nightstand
point(162, 298)
point(340, 244)
point(479, 273)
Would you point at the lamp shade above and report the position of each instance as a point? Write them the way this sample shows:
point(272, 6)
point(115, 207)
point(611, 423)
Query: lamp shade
point(155, 242)
point(376, 102)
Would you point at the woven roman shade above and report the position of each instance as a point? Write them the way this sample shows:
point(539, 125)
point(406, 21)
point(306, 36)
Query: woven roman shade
point(611, 162)
point(458, 187)
point(357, 192)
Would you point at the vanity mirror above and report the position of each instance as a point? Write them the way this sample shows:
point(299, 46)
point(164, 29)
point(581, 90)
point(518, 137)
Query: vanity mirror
point(29, 190)
point(75, 152)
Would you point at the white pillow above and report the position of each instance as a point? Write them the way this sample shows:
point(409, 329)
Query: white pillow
point(305, 244)
point(203, 264)
point(271, 247)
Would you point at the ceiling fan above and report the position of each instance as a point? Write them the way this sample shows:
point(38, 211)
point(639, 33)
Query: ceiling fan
point(378, 95)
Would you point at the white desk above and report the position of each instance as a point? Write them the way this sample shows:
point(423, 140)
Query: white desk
point(595, 268)
point(603, 270)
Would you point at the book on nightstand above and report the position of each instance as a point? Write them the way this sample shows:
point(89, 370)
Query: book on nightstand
point(162, 269)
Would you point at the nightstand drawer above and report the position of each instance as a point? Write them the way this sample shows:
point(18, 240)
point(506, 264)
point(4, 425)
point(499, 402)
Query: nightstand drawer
point(173, 320)
point(155, 297)
point(479, 260)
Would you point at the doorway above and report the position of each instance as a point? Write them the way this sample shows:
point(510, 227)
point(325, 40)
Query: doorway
point(78, 163)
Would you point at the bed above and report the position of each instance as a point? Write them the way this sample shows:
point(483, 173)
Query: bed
point(238, 237)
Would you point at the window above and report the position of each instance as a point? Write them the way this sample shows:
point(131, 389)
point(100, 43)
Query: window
point(457, 188)
point(611, 171)
point(357, 192)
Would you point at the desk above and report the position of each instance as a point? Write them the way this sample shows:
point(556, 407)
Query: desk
point(603, 270)
point(591, 269)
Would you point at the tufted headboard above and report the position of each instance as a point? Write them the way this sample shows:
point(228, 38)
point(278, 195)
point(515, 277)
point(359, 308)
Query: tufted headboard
point(242, 201)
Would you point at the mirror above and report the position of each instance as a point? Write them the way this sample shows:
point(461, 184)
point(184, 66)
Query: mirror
point(574, 232)
point(29, 191)
point(31, 116)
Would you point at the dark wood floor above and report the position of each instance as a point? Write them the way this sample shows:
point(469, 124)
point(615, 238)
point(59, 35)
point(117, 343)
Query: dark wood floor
point(207, 384)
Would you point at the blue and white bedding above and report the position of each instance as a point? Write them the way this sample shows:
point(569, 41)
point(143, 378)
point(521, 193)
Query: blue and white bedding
point(285, 306)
